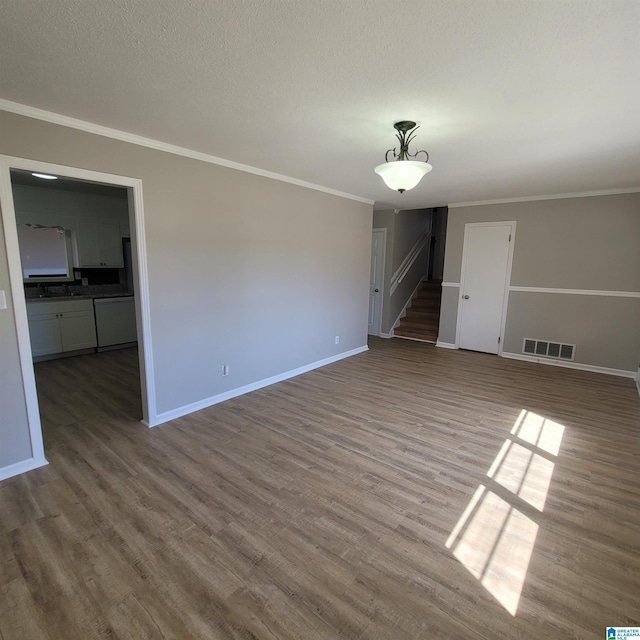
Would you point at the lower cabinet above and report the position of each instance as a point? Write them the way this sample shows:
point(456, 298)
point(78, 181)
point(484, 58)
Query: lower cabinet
point(59, 326)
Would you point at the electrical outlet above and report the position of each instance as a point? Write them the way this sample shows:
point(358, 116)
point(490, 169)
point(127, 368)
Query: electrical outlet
point(225, 369)
point(337, 339)
point(85, 282)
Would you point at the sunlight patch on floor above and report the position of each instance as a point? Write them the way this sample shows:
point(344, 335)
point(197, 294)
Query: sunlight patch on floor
point(493, 538)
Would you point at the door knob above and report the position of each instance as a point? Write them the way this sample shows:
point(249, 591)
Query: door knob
point(466, 297)
point(376, 290)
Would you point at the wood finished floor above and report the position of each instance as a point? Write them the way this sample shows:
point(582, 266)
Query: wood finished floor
point(329, 505)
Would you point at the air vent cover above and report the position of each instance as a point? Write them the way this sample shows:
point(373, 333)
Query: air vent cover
point(548, 349)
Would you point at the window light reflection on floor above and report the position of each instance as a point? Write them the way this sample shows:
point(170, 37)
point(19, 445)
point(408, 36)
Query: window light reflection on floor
point(493, 539)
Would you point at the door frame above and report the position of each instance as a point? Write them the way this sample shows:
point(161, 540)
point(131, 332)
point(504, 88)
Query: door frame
point(507, 281)
point(140, 274)
point(382, 230)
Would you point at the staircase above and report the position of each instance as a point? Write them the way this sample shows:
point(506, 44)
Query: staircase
point(423, 316)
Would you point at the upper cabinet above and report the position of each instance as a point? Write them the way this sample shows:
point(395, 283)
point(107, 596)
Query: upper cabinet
point(95, 222)
point(99, 243)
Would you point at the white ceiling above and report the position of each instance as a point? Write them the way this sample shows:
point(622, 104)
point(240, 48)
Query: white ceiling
point(515, 98)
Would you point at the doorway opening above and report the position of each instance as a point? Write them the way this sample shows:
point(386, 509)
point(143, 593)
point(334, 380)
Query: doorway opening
point(66, 376)
point(412, 299)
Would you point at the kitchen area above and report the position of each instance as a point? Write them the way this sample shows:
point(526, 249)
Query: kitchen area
point(77, 267)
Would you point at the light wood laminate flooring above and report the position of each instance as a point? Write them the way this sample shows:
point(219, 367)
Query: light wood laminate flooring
point(406, 492)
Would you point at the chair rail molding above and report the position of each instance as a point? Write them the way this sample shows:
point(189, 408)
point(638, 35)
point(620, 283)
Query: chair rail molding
point(578, 292)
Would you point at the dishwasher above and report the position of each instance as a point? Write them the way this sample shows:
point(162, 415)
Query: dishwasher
point(115, 322)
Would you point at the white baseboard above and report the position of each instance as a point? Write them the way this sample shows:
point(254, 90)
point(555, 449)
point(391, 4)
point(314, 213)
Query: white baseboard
point(386, 335)
point(623, 373)
point(254, 386)
point(638, 385)
point(21, 467)
point(446, 345)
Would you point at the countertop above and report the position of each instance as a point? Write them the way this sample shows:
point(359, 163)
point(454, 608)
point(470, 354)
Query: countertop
point(78, 296)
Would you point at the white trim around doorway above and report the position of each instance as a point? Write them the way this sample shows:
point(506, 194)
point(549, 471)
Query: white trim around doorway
point(19, 304)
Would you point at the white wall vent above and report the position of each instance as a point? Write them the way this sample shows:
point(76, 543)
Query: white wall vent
point(548, 349)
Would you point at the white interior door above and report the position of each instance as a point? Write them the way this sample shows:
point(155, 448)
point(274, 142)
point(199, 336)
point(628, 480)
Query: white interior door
point(378, 246)
point(486, 272)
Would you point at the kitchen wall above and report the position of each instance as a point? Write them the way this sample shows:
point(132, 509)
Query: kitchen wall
point(29, 200)
point(568, 249)
point(244, 270)
point(48, 205)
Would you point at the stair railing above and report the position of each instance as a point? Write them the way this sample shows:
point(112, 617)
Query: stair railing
point(407, 263)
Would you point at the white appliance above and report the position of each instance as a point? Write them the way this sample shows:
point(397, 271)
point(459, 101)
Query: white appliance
point(115, 321)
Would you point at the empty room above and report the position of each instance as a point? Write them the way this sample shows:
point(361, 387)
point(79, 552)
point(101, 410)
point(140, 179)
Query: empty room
point(319, 320)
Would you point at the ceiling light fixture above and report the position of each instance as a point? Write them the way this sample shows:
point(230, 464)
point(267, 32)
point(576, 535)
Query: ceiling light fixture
point(403, 173)
point(44, 176)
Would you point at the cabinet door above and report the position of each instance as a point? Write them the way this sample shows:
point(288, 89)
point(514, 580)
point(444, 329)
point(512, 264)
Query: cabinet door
point(111, 243)
point(89, 252)
point(99, 243)
point(78, 330)
point(44, 333)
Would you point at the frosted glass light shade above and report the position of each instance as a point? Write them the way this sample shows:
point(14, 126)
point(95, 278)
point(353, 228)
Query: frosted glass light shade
point(402, 175)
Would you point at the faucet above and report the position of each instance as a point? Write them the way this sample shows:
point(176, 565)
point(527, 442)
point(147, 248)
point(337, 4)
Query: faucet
point(43, 289)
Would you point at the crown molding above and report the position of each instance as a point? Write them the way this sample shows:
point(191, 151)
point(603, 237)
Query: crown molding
point(557, 196)
point(132, 138)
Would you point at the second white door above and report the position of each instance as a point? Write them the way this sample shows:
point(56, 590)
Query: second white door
point(486, 267)
point(378, 246)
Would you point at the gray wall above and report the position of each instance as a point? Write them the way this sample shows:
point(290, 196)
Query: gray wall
point(403, 230)
point(243, 270)
point(589, 243)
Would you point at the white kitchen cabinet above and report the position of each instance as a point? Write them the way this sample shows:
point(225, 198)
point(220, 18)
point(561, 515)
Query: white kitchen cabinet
point(99, 243)
point(44, 333)
point(57, 326)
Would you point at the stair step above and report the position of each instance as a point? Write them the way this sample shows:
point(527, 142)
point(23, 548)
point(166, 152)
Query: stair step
point(420, 305)
point(427, 336)
point(431, 297)
point(431, 285)
point(421, 317)
point(423, 310)
point(417, 326)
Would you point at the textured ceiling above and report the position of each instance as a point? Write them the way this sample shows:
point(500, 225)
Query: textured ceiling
point(514, 98)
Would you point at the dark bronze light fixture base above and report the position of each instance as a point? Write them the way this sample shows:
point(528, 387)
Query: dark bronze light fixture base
point(404, 125)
